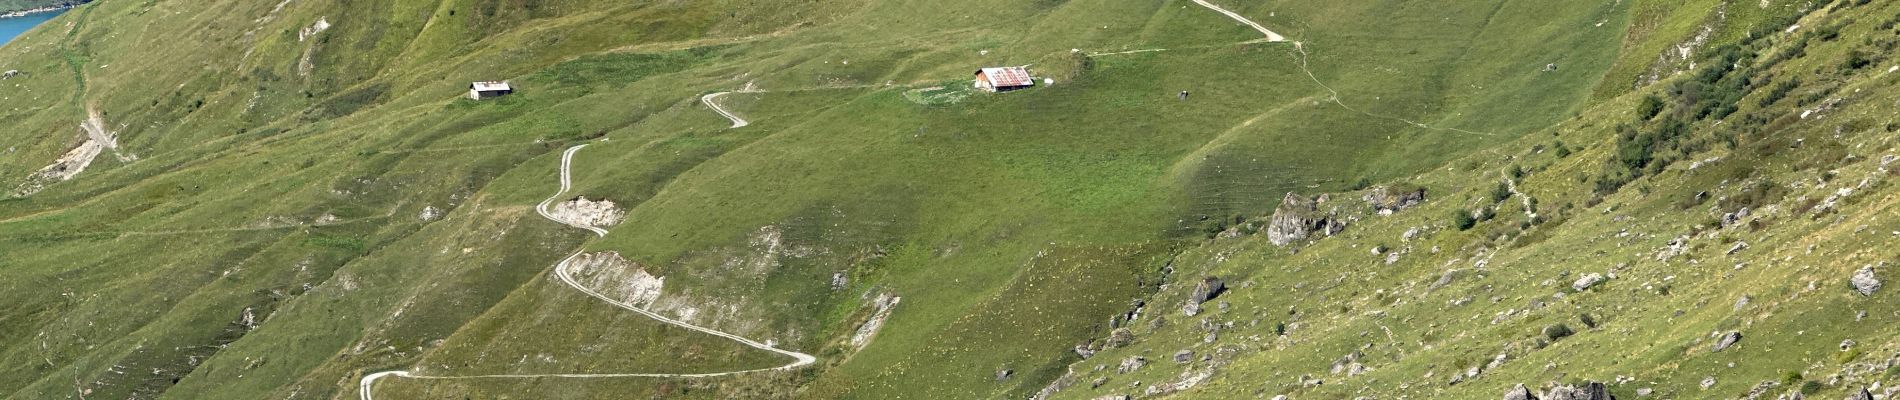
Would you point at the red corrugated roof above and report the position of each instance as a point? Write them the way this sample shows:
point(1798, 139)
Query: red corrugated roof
point(1008, 76)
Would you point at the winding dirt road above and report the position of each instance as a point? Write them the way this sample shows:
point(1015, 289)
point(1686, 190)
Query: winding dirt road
point(1271, 37)
point(736, 121)
point(365, 386)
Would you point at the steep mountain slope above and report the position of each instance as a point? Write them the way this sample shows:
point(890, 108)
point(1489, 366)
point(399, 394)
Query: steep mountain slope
point(1716, 235)
point(302, 198)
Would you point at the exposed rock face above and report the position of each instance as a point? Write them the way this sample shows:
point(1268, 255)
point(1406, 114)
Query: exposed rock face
point(1519, 393)
point(62, 169)
point(1590, 391)
point(1389, 200)
point(580, 210)
point(1865, 282)
point(1587, 281)
point(1209, 288)
point(616, 278)
point(1863, 394)
point(430, 213)
point(1728, 340)
point(1184, 356)
point(884, 304)
point(1299, 218)
point(1120, 337)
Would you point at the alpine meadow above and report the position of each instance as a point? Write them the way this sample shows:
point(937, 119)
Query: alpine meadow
point(950, 199)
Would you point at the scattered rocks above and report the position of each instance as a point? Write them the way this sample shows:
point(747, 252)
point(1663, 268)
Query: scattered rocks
point(1728, 340)
point(1347, 363)
point(1587, 281)
point(1114, 397)
point(9, 74)
point(1497, 361)
point(1357, 369)
point(1737, 248)
point(1447, 278)
point(1865, 282)
point(1676, 247)
point(1729, 220)
point(429, 214)
point(1131, 364)
point(1708, 382)
point(1004, 374)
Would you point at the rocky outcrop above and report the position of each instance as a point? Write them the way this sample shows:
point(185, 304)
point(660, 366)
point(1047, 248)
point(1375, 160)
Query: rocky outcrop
point(1728, 340)
point(615, 277)
point(1587, 281)
point(881, 311)
point(1299, 218)
point(1865, 281)
point(1209, 288)
point(62, 169)
point(1519, 393)
point(1589, 391)
point(580, 210)
point(1863, 394)
point(1388, 200)
point(1131, 364)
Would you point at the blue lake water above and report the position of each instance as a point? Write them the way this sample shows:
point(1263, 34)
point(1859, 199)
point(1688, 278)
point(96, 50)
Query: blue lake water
point(13, 27)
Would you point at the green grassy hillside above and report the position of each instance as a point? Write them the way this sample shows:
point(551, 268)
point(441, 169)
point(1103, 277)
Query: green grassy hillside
point(298, 195)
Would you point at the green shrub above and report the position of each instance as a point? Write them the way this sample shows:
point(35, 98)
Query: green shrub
point(1463, 219)
point(1648, 109)
point(1779, 92)
point(1855, 60)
